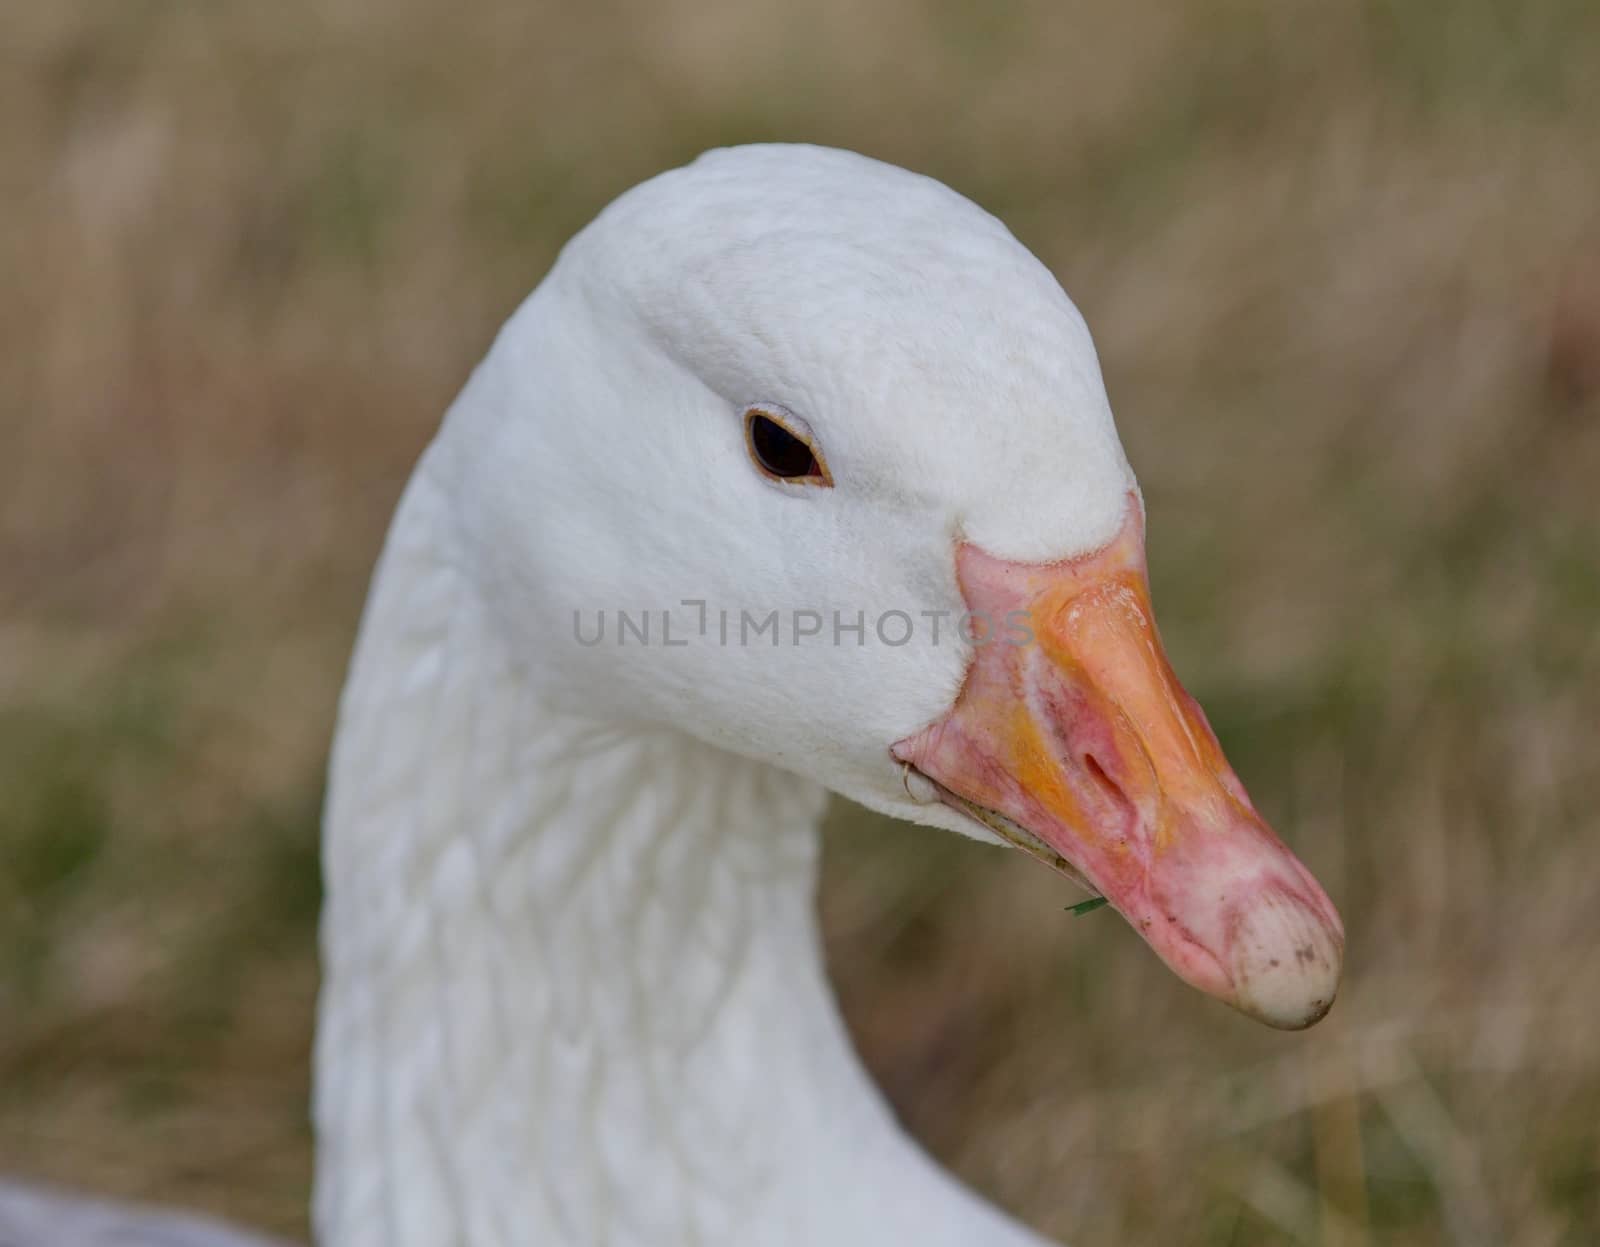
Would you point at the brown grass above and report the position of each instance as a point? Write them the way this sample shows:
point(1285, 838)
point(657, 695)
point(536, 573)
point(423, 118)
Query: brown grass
point(1343, 264)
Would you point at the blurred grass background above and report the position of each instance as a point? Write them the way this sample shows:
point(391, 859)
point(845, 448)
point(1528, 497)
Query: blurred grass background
point(1342, 260)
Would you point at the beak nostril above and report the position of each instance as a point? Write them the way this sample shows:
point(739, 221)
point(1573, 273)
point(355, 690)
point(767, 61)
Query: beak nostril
point(1103, 781)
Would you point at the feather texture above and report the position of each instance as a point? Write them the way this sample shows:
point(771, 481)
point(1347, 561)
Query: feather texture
point(36, 1216)
point(574, 991)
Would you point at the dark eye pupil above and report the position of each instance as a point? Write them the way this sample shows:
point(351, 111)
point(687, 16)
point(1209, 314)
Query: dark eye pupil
point(780, 451)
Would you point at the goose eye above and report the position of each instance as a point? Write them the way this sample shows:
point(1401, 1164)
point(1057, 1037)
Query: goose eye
point(781, 452)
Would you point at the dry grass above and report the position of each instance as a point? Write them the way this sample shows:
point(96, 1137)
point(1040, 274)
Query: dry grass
point(1343, 263)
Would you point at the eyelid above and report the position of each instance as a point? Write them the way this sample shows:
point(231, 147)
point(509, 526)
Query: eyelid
point(797, 429)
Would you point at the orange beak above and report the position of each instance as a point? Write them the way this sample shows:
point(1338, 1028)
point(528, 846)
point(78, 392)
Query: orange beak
point(1072, 738)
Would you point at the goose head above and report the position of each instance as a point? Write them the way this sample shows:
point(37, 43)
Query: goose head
point(807, 456)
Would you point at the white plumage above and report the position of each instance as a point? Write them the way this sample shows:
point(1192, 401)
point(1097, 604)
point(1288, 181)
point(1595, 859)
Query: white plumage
point(574, 991)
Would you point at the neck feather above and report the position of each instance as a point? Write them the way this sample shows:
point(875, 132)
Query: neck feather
point(574, 989)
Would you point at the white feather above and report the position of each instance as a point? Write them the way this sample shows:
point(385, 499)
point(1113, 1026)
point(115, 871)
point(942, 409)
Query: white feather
point(574, 991)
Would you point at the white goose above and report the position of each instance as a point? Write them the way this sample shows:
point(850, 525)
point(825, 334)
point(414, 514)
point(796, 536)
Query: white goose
point(792, 412)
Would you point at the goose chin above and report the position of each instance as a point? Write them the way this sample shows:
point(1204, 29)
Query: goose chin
point(1076, 743)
